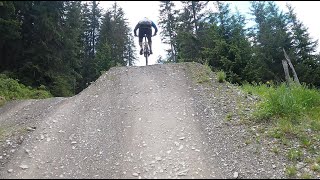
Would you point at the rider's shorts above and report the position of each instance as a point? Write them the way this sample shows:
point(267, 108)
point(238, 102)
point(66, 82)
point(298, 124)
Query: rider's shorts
point(143, 31)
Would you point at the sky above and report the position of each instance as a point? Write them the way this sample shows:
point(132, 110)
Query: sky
point(307, 12)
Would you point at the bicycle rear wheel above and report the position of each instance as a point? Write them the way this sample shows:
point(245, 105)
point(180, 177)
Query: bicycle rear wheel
point(146, 55)
point(146, 49)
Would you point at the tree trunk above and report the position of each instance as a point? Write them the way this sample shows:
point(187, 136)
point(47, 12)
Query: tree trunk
point(286, 71)
point(291, 66)
point(94, 27)
point(194, 16)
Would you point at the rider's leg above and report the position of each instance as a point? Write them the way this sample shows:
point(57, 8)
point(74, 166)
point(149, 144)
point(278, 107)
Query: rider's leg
point(150, 44)
point(149, 40)
point(141, 50)
point(140, 40)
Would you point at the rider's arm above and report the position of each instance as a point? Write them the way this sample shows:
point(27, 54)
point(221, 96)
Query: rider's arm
point(135, 29)
point(155, 28)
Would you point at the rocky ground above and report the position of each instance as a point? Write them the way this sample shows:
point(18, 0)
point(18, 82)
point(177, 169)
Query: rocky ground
point(159, 121)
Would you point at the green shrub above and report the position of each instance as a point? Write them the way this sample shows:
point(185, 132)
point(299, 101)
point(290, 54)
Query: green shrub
point(2, 100)
point(221, 76)
point(61, 86)
point(42, 87)
point(11, 89)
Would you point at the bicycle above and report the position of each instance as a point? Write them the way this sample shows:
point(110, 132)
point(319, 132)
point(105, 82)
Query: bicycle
point(146, 51)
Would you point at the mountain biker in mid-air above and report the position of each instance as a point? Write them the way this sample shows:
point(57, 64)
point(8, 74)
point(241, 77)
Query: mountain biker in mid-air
point(145, 29)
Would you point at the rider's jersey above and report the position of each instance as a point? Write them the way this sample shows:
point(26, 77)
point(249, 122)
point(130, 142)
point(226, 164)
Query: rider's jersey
point(146, 23)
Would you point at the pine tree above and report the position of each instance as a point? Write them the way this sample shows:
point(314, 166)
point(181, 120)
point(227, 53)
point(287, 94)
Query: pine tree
point(316, 74)
point(60, 44)
point(130, 49)
point(271, 36)
point(129, 46)
point(91, 14)
point(304, 48)
point(194, 10)
point(41, 61)
point(302, 43)
point(226, 46)
point(103, 57)
point(73, 51)
point(115, 44)
point(168, 22)
point(185, 21)
point(119, 36)
point(9, 36)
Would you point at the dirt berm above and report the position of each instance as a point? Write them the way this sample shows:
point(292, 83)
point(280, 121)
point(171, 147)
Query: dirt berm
point(158, 121)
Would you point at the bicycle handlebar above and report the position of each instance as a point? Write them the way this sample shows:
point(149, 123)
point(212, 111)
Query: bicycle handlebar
point(145, 36)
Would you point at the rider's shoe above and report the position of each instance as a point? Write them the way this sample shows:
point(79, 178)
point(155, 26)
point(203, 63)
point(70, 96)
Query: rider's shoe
point(141, 51)
point(150, 51)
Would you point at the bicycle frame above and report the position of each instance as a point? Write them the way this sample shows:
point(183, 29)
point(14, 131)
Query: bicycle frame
point(146, 51)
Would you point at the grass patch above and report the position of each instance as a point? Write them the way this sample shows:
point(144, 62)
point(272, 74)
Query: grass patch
point(275, 133)
point(291, 171)
point(306, 176)
point(261, 89)
point(294, 154)
point(318, 159)
point(288, 102)
point(203, 76)
point(228, 117)
point(294, 110)
point(247, 142)
point(285, 141)
point(308, 160)
point(275, 150)
point(2, 133)
point(305, 142)
point(286, 127)
point(200, 75)
point(315, 167)
point(258, 139)
point(221, 76)
point(11, 89)
point(292, 115)
point(111, 77)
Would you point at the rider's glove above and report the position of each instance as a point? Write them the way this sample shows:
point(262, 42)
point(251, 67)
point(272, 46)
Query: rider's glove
point(135, 35)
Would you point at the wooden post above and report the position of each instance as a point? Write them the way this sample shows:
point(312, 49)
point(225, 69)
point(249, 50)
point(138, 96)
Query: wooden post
point(291, 66)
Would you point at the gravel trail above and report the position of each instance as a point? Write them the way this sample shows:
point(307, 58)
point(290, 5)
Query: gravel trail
point(135, 122)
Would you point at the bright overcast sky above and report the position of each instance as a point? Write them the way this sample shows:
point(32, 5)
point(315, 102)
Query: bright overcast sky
point(307, 12)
